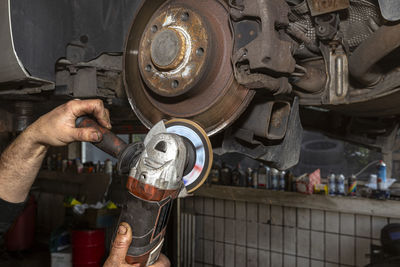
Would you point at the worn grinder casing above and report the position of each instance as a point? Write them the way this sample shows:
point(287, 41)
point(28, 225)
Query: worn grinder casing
point(174, 159)
point(153, 183)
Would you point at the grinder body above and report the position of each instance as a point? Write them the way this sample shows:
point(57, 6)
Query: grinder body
point(153, 183)
point(169, 163)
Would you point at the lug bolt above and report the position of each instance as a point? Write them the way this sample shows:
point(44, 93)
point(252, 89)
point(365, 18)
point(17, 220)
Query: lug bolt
point(185, 16)
point(199, 51)
point(174, 84)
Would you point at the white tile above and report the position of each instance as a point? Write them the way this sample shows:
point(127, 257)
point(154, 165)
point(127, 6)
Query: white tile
point(208, 252)
point(303, 262)
point(199, 250)
point(363, 225)
point(229, 206)
point(252, 258)
point(276, 238)
point(289, 261)
point(347, 222)
point(331, 222)
point(347, 250)
point(362, 248)
point(331, 265)
point(332, 247)
point(315, 263)
point(289, 240)
point(209, 206)
point(240, 210)
point(252, 234)
point(263, 258)
point(303, 242)
point(377, 224)
point(252, 212)
point(276, 215)
point(229, 255)
point(317, 245)
point(219, 207)
point(289, 216)
point(303, 218)
point(240, 233)
point(276, 259)
point(229, 235)
point(209, 227)
point(219, 254)
point(317, 220)
point(240, 256)
point(263, 236)
point(189, 204)
point(219, 229)
point(199, 221)
point(264, 213)
point(199, 205)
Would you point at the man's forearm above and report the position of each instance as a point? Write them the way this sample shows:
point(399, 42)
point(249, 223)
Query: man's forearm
point(19, 165)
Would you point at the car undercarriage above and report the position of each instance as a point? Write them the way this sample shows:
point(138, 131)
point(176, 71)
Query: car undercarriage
point(252, 73)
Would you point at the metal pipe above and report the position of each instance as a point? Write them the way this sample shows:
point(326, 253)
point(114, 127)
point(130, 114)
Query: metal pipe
point(314, 79)
point(368, 53)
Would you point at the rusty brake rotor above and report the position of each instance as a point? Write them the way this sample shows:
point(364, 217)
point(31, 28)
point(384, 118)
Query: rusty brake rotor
point(177, 64)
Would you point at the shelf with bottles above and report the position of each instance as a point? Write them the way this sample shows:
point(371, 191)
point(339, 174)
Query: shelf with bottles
point(362, 206)
point(57, 163)
point(267, 178)
point(264, 177)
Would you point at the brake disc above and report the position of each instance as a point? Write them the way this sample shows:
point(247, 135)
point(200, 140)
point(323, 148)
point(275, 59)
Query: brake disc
point(177, 64)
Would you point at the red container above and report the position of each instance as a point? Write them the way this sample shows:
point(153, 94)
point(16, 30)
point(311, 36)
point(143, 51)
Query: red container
point(88, 248)
point(21, 234)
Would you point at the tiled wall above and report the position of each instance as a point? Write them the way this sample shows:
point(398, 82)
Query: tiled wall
point(240, 234)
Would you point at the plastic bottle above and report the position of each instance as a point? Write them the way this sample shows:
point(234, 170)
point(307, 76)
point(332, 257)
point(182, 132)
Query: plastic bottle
point(282, 182)
point(340, 190)
point(262, 176)
point(274, 179)
point(332, 184)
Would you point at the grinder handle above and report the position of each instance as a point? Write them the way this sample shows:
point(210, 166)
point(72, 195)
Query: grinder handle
point(110, 143)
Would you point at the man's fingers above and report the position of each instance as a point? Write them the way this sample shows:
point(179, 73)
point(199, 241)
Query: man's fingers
point(88, 134)
point(107, 117)
point(162, 261)
point(94, 107)
point(121, 243)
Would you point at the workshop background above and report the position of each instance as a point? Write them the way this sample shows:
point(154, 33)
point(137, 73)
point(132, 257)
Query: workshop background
point(300, 101)
point(222, 225)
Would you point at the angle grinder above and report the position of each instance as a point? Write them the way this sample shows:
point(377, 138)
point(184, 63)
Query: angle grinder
point(174, 159)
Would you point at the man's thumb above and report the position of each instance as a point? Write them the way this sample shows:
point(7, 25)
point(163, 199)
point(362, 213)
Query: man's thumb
point(123, 239)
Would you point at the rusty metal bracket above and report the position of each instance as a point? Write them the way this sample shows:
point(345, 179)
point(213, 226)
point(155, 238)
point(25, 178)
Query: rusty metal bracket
point(338, 69)
point(319, 7)
point(264, 119)
point(282, 154)
point(100, 77)
point(263, 51)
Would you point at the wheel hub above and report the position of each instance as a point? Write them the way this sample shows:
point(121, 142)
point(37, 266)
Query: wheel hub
point(177, 64)
point(172, 51)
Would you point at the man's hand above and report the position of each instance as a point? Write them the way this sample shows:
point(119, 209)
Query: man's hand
point(120, 247)
point(21, 161)
point(57, 128)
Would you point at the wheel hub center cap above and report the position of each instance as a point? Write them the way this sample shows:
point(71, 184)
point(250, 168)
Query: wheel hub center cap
point(167, 49)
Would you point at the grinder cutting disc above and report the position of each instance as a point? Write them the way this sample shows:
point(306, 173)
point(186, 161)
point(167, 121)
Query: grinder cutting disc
point(203, 149)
